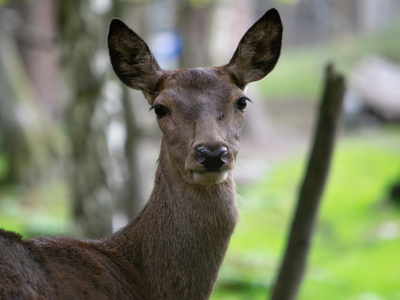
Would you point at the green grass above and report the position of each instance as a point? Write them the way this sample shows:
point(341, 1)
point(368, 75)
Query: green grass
point(349, 259)
point(350, 247)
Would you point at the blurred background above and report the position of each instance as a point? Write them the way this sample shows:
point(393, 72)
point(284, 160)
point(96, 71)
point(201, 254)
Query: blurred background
point(78, 150)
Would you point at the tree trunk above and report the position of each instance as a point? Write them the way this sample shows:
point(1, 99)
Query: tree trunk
point(133, 188)
point(294, 262)
point(27, 149)
point(105, 175)
point(194, 22)
point(86, 119)
point(13, 140)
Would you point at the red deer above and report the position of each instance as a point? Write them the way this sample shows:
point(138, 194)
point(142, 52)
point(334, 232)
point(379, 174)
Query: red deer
point(174, 248)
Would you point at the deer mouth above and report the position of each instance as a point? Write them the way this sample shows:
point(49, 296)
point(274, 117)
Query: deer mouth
point(209, 177)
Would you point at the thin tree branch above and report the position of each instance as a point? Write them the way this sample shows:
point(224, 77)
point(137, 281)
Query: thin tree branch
point(294, 262)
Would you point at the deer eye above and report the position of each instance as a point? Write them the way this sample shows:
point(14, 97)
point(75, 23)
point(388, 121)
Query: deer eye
point(160, 110)
point(241, 104)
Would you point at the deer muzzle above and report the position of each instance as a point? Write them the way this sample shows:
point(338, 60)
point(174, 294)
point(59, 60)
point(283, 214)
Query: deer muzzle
point(210, 164)
point(212, 160)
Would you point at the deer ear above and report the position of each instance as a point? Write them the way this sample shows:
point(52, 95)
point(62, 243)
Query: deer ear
point(132, 59)
point(258, 50)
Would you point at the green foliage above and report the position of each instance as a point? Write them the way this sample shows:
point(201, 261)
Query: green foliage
point(3, 165)
point(355, 248)
point(34, 211)
point(200, 3)
point(299, 70)
point(133, 1)
point(286, 2)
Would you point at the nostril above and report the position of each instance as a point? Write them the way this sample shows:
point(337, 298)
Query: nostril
point(224, 155)
point(201, 154)
point(212, 160)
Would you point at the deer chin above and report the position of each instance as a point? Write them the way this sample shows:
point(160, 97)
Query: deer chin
point(209, 178)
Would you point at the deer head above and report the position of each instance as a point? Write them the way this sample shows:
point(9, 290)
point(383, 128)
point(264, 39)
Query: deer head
point(200, 111)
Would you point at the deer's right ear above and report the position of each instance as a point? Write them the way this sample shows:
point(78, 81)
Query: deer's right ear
point(132, 59)
point(258, 50)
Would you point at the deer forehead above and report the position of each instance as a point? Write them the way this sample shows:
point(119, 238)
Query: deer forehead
point(198, 90)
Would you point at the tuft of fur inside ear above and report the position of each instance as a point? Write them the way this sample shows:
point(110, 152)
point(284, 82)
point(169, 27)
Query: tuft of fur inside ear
point(132, 59)
point(258, 50)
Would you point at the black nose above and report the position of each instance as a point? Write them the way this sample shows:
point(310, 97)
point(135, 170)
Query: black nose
point(212, 160)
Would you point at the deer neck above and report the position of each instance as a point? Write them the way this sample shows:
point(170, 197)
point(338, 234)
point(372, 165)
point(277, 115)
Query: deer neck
point(179, 240)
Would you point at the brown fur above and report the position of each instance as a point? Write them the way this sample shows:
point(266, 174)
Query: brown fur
point(176, 245)
point(63, 268)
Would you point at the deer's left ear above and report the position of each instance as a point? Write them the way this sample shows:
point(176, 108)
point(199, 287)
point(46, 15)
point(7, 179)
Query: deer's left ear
point(258, 50)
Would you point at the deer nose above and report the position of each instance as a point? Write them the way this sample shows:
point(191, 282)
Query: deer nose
point(212, 160)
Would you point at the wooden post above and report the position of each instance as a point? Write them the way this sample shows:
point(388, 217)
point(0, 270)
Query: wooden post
point(294, 262)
